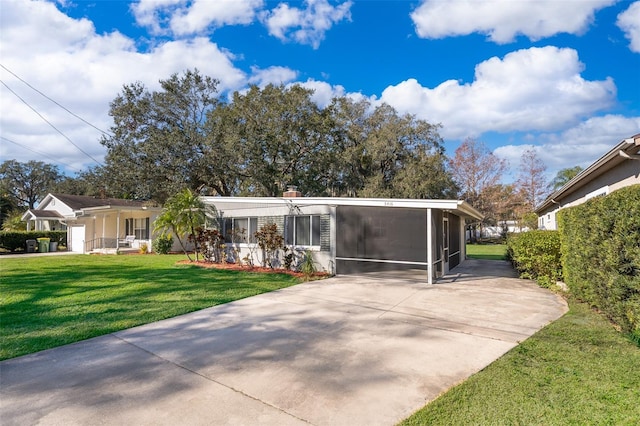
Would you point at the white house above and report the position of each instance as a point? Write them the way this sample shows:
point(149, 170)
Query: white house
point(94, 224)
point(352, 235)
point(616, 169)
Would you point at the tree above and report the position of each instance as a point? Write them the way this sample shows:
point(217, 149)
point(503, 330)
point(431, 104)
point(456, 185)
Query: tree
point(160, 141)
point(26, 184)
point(279, 132)
point(563, 176)
point(477, 171)
point(531, 181)
point(182, 215)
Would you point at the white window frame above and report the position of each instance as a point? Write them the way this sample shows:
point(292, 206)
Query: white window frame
point(291, 227)
point(250, 237)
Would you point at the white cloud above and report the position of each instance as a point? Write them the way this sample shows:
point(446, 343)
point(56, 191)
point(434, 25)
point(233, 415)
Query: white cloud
point(577, 146)
point(152, 14)
point(503, 20)
point(305, 26)
point(272, 75)
point(206, 13)
point(183, 17)
point(537, 89)
point(629, 22)
point(84, 71)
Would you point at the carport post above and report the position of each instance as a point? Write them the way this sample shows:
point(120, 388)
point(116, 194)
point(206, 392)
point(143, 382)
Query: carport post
point(429, 249)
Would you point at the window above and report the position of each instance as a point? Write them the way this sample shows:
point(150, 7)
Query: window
point(240, 229)
point(302, 230)
point(138, 227)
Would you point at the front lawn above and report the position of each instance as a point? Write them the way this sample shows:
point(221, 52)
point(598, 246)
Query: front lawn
point(51, 301)
point(576, 371)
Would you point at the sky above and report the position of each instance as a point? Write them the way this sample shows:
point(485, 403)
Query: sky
point(561, 77)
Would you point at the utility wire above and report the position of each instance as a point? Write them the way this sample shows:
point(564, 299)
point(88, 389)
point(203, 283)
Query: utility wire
point(40, 153)
point(49, 123)
point(52, 100)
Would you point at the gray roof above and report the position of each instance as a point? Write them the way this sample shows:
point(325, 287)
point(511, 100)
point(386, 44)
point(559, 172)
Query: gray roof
point(45, 214)
point(78, 202)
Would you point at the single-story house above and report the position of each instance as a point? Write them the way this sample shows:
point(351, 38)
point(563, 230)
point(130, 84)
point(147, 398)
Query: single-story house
point(352, 235)
point(618, 168)
point(94, 224)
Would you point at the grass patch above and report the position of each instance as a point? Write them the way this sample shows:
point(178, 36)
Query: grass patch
point(487, 251)
point(51, 301)
point(578, 370)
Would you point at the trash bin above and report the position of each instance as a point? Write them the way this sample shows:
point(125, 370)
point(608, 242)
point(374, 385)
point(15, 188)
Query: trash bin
point(31, 246)
point(43, 245)
point(53, 246)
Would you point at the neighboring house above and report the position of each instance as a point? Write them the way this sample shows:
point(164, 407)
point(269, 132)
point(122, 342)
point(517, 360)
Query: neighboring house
point(353, 235)
point(94, 224)
point(616, 169)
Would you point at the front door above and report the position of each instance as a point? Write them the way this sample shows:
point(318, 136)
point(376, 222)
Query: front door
point(77, 238)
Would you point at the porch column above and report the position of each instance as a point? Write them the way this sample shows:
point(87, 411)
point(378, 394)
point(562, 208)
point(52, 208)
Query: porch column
point(118, 230)
point(429, 249)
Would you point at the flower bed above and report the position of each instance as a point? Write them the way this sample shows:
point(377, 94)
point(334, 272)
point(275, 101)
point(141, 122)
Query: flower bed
point(246, 268)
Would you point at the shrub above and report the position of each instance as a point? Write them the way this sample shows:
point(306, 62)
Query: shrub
point(308, 266)
point(536, 255)
point(601, 255)
point(144, 248)
point(162, 244)
point(271, 241)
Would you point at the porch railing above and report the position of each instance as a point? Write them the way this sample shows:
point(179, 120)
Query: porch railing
point(100, 243)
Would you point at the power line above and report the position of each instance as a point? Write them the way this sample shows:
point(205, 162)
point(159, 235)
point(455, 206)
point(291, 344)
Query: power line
point(49, 123)
point(52, 100)
point(40, 153)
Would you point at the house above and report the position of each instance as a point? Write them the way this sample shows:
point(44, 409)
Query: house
point(616, 169)
point(352, 235)
point(94, 224)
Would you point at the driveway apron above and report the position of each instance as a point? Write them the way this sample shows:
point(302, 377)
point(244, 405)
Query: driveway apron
point(350, 350)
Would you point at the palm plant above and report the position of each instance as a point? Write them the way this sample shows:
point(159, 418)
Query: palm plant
point(182, 214)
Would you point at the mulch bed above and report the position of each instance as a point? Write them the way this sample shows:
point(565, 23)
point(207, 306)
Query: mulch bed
point(246, 268)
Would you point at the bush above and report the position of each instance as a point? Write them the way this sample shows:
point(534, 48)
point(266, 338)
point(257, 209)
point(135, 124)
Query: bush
point(16, 240)
point(601, 255)
point(162, 244)
point(536, 255)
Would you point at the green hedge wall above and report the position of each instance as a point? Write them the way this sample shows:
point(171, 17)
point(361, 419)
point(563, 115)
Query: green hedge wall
point(536, 255)
point(16, 240)
point(601, 255)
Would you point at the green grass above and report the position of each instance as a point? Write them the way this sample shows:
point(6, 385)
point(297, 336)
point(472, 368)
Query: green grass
point(51, 301)
point(487, 251)
point(576, 371)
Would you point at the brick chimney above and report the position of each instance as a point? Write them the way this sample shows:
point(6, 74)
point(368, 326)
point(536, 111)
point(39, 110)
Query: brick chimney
point(292, 192)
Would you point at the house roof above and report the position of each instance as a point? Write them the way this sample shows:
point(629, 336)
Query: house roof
point(624, 151)
point(41, 214)
point(462, 208)
point(79, 202)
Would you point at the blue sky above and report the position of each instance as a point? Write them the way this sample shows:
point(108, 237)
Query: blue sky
point(561, 77)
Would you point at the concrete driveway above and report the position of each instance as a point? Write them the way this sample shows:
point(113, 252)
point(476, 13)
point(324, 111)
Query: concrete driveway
point(350, 350)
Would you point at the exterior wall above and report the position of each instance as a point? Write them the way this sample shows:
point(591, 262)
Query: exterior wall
point(276, 214)
point(626, 174)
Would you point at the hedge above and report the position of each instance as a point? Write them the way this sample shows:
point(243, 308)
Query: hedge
point(601, 255)
point(14, 240)
point(536, 255)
